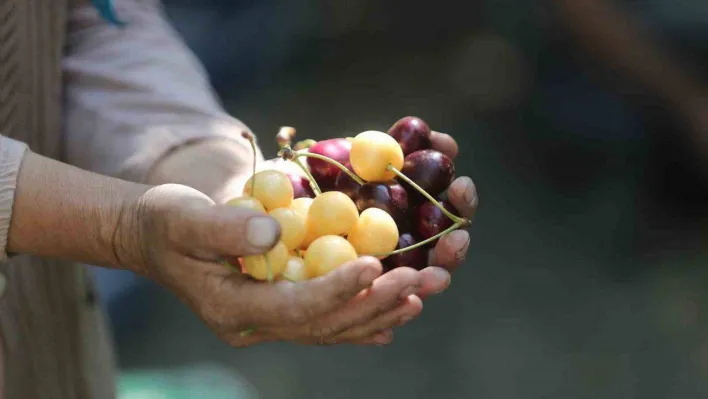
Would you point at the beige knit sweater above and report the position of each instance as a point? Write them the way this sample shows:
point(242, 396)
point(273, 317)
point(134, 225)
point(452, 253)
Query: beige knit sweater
point(106, 99)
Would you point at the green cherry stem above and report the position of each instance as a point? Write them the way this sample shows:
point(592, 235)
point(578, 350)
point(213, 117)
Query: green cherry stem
point(313, 183)
point(288, 154)
point(248, 136)
point(270, 269)
point(456, 219)
point(454, 227)
point(333, 162)
point(304, 144)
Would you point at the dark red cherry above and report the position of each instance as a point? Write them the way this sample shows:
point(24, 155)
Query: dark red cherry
point(412, 134)
point(324, 172)
point(416, 258)
point(345, 184)
point(388, 196)
point(432, 170)
point(431, 220)
point(301, 186)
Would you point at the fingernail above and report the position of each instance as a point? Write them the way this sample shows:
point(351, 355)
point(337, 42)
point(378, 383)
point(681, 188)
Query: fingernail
point(262, 231)
point(469, 192)
point(367, 276)
point(442, 278)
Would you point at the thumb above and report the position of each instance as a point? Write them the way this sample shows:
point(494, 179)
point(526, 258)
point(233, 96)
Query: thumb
point(223, 230)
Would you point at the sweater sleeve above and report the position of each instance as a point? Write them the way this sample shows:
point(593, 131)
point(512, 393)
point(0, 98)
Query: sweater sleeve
point(11, 154)
point(136, 93)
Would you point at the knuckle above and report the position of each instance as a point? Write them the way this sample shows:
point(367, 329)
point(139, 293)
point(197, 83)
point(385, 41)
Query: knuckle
point(406, 276)
point(342, 295)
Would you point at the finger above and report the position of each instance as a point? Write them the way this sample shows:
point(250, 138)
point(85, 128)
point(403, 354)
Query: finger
point(380, 339)
point(451, 250)
point(408, 310)
point(225, 231)
point(444, 143)
point(294, 304)
point(384, 295)
point(434, 281)
point(462, 193)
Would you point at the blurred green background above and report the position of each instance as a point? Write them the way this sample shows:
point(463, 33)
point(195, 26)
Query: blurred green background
point(586, 276)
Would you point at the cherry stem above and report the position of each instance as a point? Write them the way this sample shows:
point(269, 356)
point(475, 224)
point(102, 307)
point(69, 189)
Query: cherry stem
point(333, 162)
point(285, 136)
point(454, 227)
point(304, 144)
point(313, 183)
point(248, 136)
point(447, 213)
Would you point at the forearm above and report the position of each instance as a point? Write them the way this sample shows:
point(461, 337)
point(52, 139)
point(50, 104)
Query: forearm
point(137, 95)
point(64, 212)
point(613, 39)
point(217, 168)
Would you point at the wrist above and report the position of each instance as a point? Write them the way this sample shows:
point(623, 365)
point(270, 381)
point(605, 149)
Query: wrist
point(126, 233)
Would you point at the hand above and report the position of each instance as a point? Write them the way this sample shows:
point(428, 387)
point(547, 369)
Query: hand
point(223, 172)
point(178, 237)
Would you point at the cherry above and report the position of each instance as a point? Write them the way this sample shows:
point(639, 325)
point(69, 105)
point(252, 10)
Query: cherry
point(416, 258)
point(432, 170)
point(431, 220)
point(324, 172)
point(345, 184)
point(389, 196)
point(301, 187)
point(412, 134)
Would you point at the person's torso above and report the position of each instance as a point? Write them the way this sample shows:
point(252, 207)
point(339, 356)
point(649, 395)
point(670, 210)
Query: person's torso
point(53, 337)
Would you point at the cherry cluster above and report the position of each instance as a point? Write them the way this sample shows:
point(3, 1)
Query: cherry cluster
point(378, 193)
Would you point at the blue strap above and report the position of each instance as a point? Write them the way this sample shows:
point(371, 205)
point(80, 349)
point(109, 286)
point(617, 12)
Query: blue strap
point(105, 8)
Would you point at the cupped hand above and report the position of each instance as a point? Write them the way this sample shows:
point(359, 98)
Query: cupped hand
point(179, 237)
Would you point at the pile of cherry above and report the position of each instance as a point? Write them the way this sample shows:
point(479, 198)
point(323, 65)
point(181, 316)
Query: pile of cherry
point(379, 194)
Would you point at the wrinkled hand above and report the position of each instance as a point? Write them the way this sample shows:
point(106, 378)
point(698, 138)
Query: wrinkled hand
point(331, 309)
point(182, 237)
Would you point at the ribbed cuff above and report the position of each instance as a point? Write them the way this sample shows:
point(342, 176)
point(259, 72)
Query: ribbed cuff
point(12, 153)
